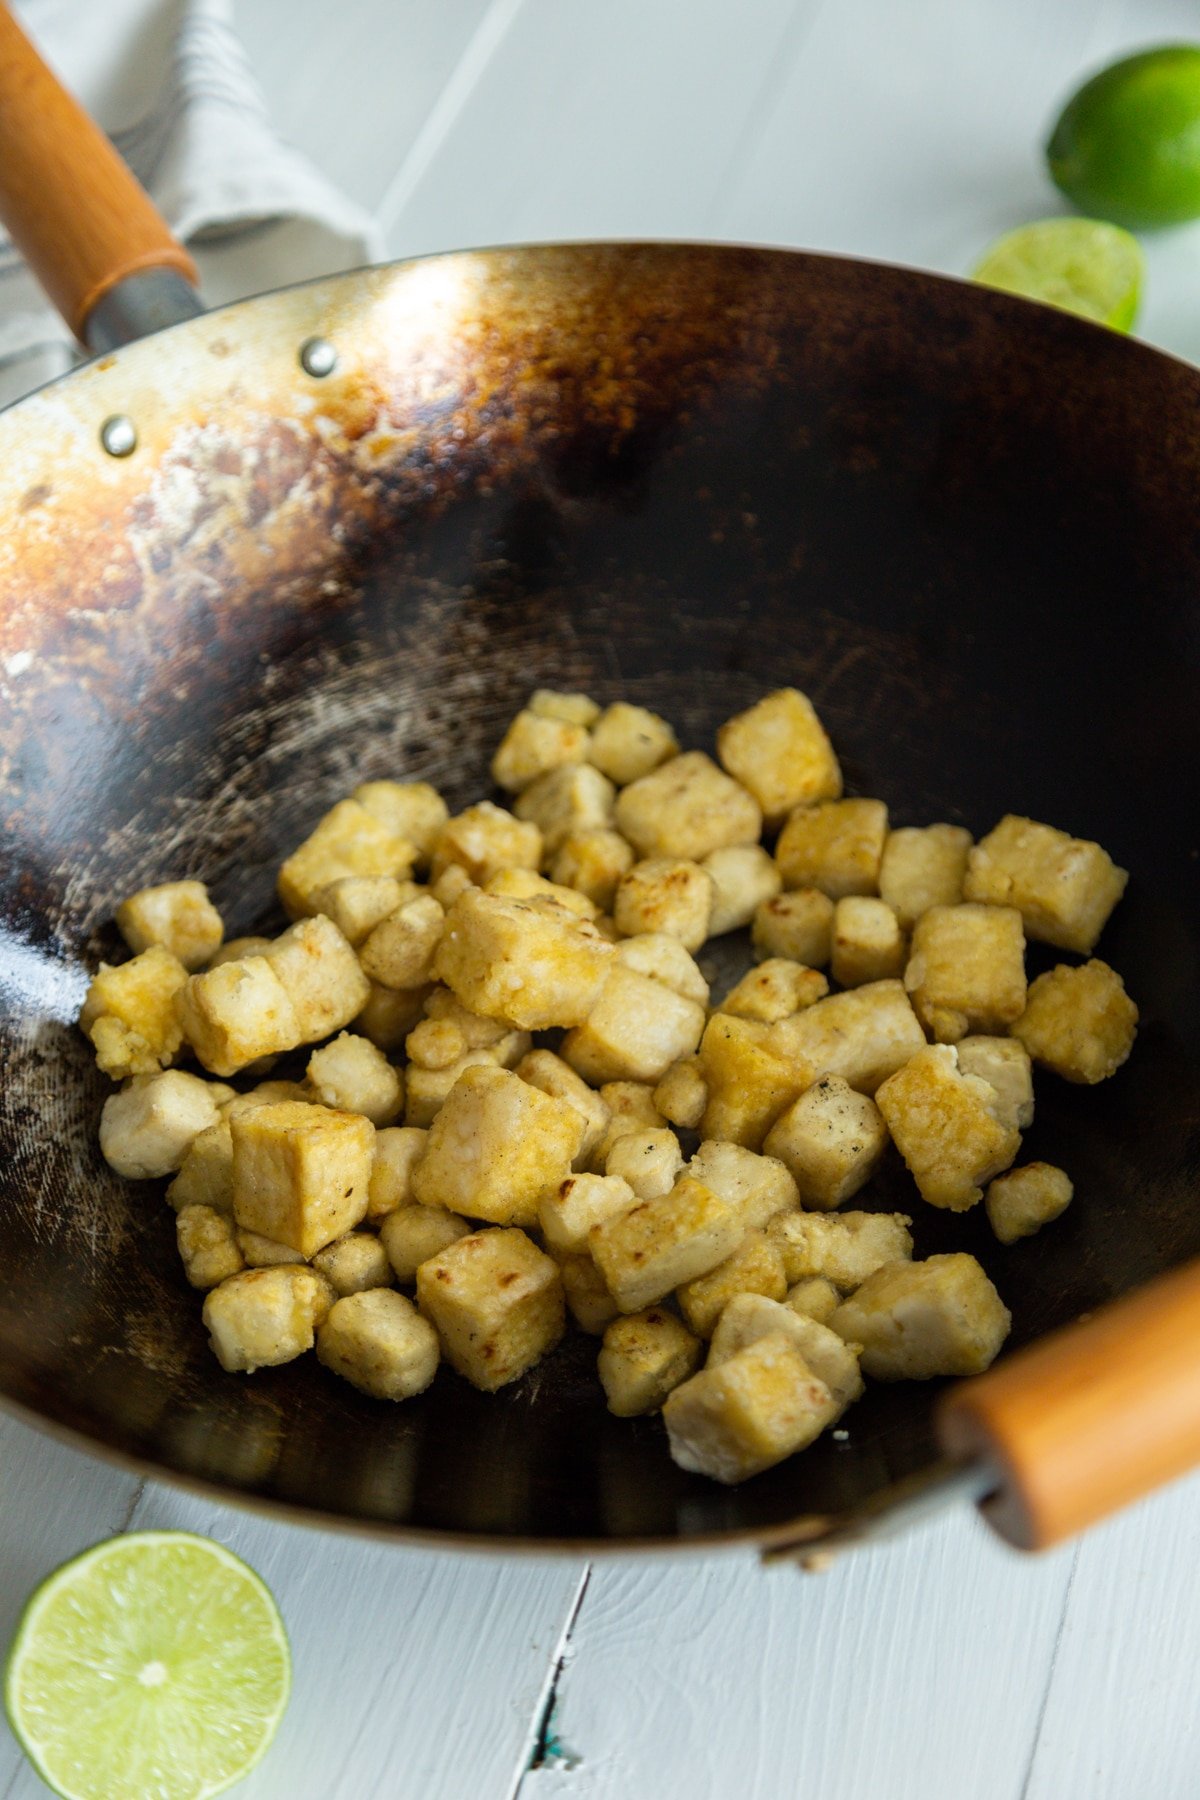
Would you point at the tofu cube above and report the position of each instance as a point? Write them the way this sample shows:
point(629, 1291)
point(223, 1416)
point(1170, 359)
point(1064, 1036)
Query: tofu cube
point(946, 1129)
point(574, 709)
point(425, 1090)
point(532, 746)
point(548, 1073)
point(205, 1175)
point(749, 1317)
point(588, 1300)
point(485, 839)
point(178, 916)
point(814, 1298)
point(797, 927)
point(832, 1140)
point(748, 1085)
point(663, 958)
point(592, 861)
point(630, 1108)
point(755, 1267)
point(148, 1127)
point(565, 802)
point(130, 1014)
point(634, 1031)
point(497, 1148)
point(263, 1317)
point(261, 1252)
point(450, 884)
point(775, 990)
point(1021, 1202)
point(410, 809)
point(629, 742)
point(581, 1201)
point(844, 1248)
point(1064, 887)
point(743, 876)
point(834, 845)
point(757, 1187)
point(525, 884)
point(778, 749)
point(233, 1015)
point(358, 903)
point(868, 944)
point(390, 1014)
point(236, 948)
point(412, 1234)
point(517, 960)
point(661, 1243)
point(1004, 1064)
point(863, 1035)
point(496, 1302)
point(320, 974)
point(301, 1173)
point(916, 1320)
point(207, 1246)
point(347, 841)
point(923, 866)
point(354, 1263)
point(400, 951)
point(682, 1094)
point(749, 1413)
point(665, 895)
point(644, 1355)
point(650, 1161)
point(687, 808)
point(1079, 1022)
point(378, 1342)
point(967, 970)
point(351, 1075)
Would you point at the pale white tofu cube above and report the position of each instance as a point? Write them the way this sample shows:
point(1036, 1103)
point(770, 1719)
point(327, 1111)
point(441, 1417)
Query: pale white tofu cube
point(178, 916)
point(400, 951)
point(864, 1035)
point(574, 709)
point(634, 1031)
point(797, 926)
point(581, 1201)
point(749, 1413)
point(682, 1094)
point(916, 1320)
point(358, 903)
point(668, 895)
point(532, 746)
point(774, 990)
point(351, 1075)
point(378, 1341)
point(843, 1247)
point(485, 839)
point(588, 1300)
point(544, 1070)
point(630, 1108)
point(643, 1357)
point(414, 1233)
point(1079, 1022)
point(946, 1129)
point(663, 958)
point(779, 749)
point(533, 965)
point(1064, 887)
point(755, 1267)
point(148, 1127)
point(650, 1161)
point(320, 974)
point(743, 877)
point(412, 810)
point(1005, 1065)
point(687, 808)
point(592, 861)
point(353, 1263)
point(661, 1243)
point(629, 742)
point(349, 840)
point(205, 1175)
point(497, 1148)
point(301, 1173)
point(832, 1140)
point(967, 970)
point(565, 802)
point(757, 1187)
point(398, 1148)
point(207, 1245)
point(749, 1317)
point(923, 866)
point(1021, 1202)
point(496, 1302)
point(868, 944)
point(264, 1317)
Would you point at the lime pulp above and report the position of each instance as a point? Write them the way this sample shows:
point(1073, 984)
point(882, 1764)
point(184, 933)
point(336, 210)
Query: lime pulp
point(1083, 266)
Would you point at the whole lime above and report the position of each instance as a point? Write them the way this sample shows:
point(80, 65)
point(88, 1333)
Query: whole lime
point(1127, 146)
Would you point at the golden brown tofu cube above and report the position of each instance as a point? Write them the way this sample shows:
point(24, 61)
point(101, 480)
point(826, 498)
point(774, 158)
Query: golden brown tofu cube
point(412, 1234)
point(814, 1298)
point(320, 975)
point(743, 877)
point(205, 1175)
point(525, 884)
point(868, 944)
point(749, 1413)
point(835, 845)
point(778, 749)
point(351, 1075)
point(534, 744)
point(832, 1140)
point(842, 1247)
point(923, 866)
point(390, 1014)
point(634, 1031)
point(757, 1187)
point(532, 965)
point(687, 808)
point(410, 809)
point(425, 1090)
point(496, 1302)
point(148, 1127)
point(264, 1317)
point(1004, 1064)
point(748, 1085)
point(755, 1267)
point(749, 1317)
point(565, 802)
point(347, 841)
point(398, 1148)
point(1079, 1022)
point(377, 1340)
point(235, 1014)
point(650, 1161)
point(130, 1014)
point(207, 1245)
point(630, 1108)
point(544, 1070)
point(484, 839)
point(661, 1243)
point(864, 1035)
point(797, 927)
point(358, 903)
point(447, 887)
point(574, 709)
point(663, 958)
point(916, 1320)
point(581, 1201)
point(593, 861)
point(644, 1355)
point(261, 1252)
point(629, 742)
point(588, 1300)
point(945, 1128)
point(665, 894)
point(1021, 1202)
point(301, 1173)
point(774, 990)
point(967, 970)
point(353, 1263)
point(400, 951)
point(178, 916)
point(1064, 887)
point(682, 1094)
point(497, 1148)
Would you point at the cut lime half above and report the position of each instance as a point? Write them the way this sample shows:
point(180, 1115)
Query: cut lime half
point(154, 1664)
point(1081, 265)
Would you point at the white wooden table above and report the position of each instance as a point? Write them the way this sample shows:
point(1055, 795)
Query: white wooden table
point(943, 1667)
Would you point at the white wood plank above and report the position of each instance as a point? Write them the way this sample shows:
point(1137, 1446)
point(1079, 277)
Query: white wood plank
point(913, 1672)
point(1121, 1716)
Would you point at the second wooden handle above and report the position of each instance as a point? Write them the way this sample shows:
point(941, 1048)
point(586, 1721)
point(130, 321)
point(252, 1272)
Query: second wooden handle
point(75, 212)
point(1090, 1418)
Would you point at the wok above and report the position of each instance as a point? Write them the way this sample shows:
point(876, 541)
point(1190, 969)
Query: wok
point(357, 521)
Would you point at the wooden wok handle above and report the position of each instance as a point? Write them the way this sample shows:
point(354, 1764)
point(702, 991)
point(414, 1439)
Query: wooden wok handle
point(1088, 1419)
point(75, 212)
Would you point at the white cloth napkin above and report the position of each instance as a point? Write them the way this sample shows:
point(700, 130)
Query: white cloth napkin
point(170, 83)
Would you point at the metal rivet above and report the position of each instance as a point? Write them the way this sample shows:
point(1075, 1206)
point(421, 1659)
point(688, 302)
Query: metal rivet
point(119, 435)
point(318, 357)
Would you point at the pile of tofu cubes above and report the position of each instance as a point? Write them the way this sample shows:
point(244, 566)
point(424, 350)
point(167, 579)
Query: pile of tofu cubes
point(524, 1102)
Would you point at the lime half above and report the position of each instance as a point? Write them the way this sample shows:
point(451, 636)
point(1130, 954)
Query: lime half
point(1081, 265)
point(153, 1664)
point(1127, 146)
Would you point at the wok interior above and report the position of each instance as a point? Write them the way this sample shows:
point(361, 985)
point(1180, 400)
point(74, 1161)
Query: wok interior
point(961, 525)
